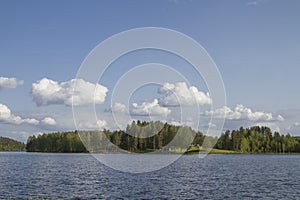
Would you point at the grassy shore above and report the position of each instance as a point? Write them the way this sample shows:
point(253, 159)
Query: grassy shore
point(212, 151)
point(220, 151)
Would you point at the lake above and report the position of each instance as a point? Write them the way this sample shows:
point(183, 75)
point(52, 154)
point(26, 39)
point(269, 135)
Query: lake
point(81, 176)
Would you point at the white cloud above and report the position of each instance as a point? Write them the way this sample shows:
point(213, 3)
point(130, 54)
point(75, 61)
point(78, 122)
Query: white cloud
point(46, 92)
point(241, 112)
point(87, 125)
point(175, 122)
point(256, 2)
point(49, 121)
point(293, 126)
point(274, 127)
point(149, 108)
point(7, 117)
point(118, 107)
point(224, 112)
point(279, 118)
point(187, 122)
point(252, 3)
point(211, 125)
point(9, 82)
point(179, 94)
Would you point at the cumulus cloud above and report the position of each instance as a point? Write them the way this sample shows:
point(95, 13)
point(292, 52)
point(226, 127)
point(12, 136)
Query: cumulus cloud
point(274, 127)
point(9, 82)
point(149, 108)
point(252, 3)
point(117, 107)
point(255, 2)
point(186, 122)
point(49, 121)
point(87, 125)
point(279, 118)
point(179, 94)
point(211, 125)
point(175, 122)
point(241, 112)
point(7, 117)
point(46, 92)
point(295, 125)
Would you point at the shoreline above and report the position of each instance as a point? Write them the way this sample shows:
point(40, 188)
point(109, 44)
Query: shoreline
point(213, 151)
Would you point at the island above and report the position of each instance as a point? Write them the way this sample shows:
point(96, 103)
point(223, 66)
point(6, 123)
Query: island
point(8, 144)
point(244, 140)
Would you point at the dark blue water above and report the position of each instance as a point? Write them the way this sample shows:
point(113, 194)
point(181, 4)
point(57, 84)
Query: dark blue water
point(81, 176)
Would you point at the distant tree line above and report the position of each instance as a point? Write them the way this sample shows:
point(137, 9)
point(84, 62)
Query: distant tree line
point(150, 136)
point(65, 142)
point(258, 140)
point(133, 139)
point(7, 144)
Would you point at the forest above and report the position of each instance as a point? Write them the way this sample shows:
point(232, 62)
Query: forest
point(258, 140)
point(141, 137)
point(64, 142)
point(7, 144)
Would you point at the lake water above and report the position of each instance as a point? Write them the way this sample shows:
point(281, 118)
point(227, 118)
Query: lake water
point(81, 176)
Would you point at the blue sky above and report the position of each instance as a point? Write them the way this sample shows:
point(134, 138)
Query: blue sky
point(255, 45)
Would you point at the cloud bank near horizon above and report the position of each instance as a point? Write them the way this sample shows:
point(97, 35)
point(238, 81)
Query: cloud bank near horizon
point(49, 92)
point(7, 117)
point(240, 112)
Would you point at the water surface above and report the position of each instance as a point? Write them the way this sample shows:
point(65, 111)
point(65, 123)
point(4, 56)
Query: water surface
point(81, 176)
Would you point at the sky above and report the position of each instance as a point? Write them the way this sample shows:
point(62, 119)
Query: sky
point(254, 44)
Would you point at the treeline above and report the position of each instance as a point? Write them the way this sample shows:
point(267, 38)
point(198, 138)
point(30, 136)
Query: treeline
point(7, 144)
point(258, 140)
point(65, 142)
point(134, 139)
point(151, 136)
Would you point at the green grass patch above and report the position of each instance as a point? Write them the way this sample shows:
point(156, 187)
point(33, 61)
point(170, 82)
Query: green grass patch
point(219, 151)
point(197, 150)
